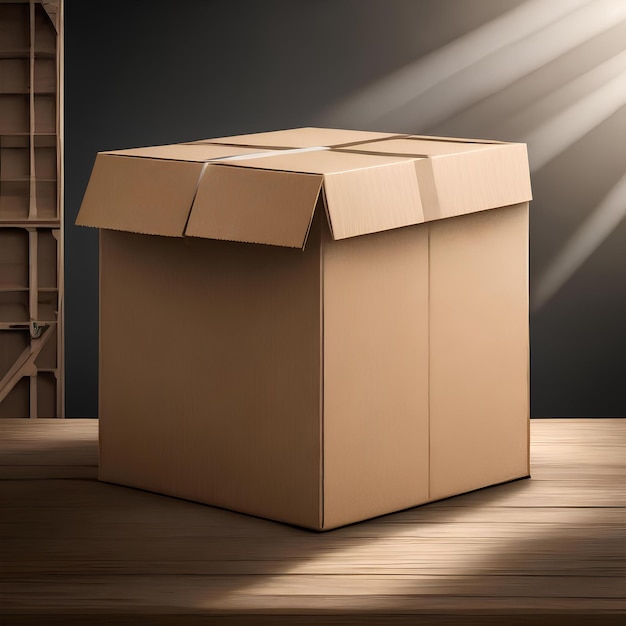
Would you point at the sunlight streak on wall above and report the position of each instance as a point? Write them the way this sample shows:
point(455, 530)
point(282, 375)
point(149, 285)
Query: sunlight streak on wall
point(600, 223)
point(408, 83)
point(498, 71)
point(558, 133)
point(524, 123)
point(477, 64)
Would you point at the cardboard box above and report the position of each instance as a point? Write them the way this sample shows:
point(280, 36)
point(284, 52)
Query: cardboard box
point(315, 326)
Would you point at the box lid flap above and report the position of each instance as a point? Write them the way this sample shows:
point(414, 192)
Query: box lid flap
point(302, 138)
point(417, 146)
point(185, 152)
point(313, 160)
point(365, 193)
point(373, 199)
point(456, 177)
point(140, 195)
point(254, 205)
point(268, 195)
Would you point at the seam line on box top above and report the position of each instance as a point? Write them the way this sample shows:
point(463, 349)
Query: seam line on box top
point(321, 491)
point(375, 153)
point(308, 229)
point(428, 315)
point(195, 193)
point(269, 153)
point(367, 141)
point(210, 142)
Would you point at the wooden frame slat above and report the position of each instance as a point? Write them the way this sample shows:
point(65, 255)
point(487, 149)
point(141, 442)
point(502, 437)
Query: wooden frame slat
point(35, 16)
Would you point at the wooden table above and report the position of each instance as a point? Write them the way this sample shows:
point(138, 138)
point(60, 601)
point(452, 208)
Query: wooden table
point(551, 549)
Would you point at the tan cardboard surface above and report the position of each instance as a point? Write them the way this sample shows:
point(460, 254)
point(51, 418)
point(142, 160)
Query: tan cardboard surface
point(390, 187)
point(185, 152)
point(478, 350)
point(484, 179)
point(456, 139)
point(139, 195)
point(372, 200)
point(210, 372)
point(418, 147)
point(375, 374)
point(256, 206)
point(356, 377)
point(462, 177)
point(319, 161)
point(364, 193)
point(302, 137)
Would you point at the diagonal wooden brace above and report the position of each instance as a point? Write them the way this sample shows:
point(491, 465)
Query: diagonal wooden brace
point(25, 363)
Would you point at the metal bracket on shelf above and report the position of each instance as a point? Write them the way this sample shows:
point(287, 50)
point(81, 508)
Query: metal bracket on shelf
point(36, 329)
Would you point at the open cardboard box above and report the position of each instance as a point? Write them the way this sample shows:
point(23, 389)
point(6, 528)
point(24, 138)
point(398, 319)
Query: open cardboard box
point(316, 326)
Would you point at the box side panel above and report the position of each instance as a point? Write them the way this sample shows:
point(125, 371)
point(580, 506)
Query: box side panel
point(375, 374)
point(479, 350)
point(210, 372)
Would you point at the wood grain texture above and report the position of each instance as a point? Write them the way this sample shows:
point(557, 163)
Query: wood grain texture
point(551, 549)
point(31, 197)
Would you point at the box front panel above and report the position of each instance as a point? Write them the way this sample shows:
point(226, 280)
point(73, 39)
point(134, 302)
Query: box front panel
point(479, 350)
point(375, 374)
point(210, 372)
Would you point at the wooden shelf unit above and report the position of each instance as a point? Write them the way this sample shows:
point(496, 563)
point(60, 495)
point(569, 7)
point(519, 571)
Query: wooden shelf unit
point(31, 209)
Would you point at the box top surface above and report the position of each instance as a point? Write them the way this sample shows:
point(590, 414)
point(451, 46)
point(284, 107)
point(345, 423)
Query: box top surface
point(198, 153)
point(301, 138)
point(264, 188)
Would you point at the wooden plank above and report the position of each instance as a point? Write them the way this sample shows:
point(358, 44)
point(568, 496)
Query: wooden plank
point(436, 558)
point(25, 364)
point(32, 206)
point(47, 443)
point(244, 593)
point(47, 472)
point(32, 217)
point(551, 546)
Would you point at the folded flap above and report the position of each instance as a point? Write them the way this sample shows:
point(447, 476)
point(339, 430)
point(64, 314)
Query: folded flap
point(140, 195)
point(254, 205)
point(477, 180)
point(263, 195)
point(457, 176)
point(374, 199)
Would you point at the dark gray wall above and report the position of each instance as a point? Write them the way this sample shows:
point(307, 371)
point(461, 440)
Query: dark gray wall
point(549, 73)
